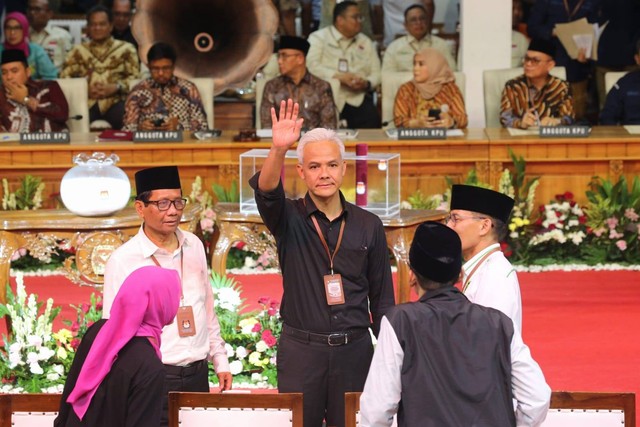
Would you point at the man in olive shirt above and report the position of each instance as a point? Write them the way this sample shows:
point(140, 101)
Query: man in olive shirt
point(335, 270)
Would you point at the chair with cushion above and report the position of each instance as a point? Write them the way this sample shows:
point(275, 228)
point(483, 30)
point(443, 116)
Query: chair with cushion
point(76, 91)
point(205, 88)
point(611, 78)
point(261, 82)
point(391, 82)
point(229, 409)
point(493, 83)
point(28, 410)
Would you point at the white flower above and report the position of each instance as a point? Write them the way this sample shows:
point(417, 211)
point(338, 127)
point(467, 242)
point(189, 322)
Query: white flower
point(576, 237)
point(235, 367)
point(58, 369)
point(61, 353)
point(256, 377)
point(32, 357)
point(34, 341)
point(229, 349)
point(261, 346)
point(53, 377)
point(15, 360)
point(45, 353)
point(16, 347)
point(228, 299)
point(250, 262)
point(573, 223)
point(35, 368)
point(241, 352)
point(405, 205)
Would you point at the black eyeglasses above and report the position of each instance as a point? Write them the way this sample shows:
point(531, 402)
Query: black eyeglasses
point(164, 204)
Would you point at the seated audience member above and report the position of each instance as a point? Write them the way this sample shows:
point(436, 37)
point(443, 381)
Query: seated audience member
point(121, 10)
point(297, 83)
point(418, 20)
point(623, 101)
point(117, 374)
point(519, 42)
point(28, 105)
point(537, 98)
point(54, 40)
point(341, 51)
point(433, 88)
point(16, 36)
point(444, 361)
point(164, 101)
point(108, 65)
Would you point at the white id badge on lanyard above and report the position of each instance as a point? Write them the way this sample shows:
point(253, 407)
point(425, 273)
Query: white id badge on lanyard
point(343, 65)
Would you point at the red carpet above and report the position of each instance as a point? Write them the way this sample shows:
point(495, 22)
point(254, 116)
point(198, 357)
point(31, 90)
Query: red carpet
point(581, 326)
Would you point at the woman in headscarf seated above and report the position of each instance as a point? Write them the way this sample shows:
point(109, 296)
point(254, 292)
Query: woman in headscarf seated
point(432, 98)
point(16, 36)
point(117, 375)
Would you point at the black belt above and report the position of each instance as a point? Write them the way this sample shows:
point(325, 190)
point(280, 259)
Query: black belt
point(185, 371)
point(332, 339)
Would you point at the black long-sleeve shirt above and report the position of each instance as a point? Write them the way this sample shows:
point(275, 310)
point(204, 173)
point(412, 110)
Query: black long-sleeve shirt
point(362, 260)
point(623, 102)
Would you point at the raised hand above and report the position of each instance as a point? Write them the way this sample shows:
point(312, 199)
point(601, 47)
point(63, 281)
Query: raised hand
point(286, 128)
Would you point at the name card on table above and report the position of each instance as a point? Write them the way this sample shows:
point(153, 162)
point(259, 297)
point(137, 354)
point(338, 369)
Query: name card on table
point(422, 133)
point(45, 138)
point(571, 131)
point(157, 136)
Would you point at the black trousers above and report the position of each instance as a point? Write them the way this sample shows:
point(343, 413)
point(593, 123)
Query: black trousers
point(114, 115)
point(324, 374)
point(192, 378)
point(363, 117)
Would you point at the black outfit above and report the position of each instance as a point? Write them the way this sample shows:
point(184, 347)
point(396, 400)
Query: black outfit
point(365, 116)
point(447, 341)
point(325, 350)
point(129, 396)
point(193, 377)
point(623, 102)
point(114, 115)
point(617, 45)
point(126, 36)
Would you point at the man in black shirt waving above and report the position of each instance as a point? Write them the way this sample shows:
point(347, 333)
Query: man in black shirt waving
point(335, 267)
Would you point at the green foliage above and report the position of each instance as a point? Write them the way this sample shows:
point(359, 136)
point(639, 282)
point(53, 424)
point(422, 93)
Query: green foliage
point(27, 196)
point(232, 195)
point(420, 201)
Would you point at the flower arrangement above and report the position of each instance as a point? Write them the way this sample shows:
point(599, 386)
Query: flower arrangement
point(34, 359)
point(27, 197)
point(86, 315)
point(251, 338)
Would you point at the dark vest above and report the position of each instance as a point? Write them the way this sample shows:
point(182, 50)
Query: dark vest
point(457, 362)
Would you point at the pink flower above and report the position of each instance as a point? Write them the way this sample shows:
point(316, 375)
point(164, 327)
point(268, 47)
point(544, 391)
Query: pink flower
point(238, 245)
point(75, 326)
point(207, 225)
point(631, 214)
point(85, 307)
point(264, 300)
point(621, 244)
point(18, 253)
point(75, 343)
point(272, 311)
point(599, 231)
point(256, 328)
point(613, 234)
point(99, 306)
point(210, 213)
point(268, 338)
point(612, 222)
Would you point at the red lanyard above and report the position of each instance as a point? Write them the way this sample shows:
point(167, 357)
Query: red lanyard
point(155, 261)
point(324, 242)
point(482, 260)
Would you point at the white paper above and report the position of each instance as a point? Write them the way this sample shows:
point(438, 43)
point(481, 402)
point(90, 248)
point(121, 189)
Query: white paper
point(584, 41)
point(633, 129)
point(264, 133)
point(523, 132)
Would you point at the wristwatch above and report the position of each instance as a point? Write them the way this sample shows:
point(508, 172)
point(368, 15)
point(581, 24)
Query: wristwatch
point(25, 101)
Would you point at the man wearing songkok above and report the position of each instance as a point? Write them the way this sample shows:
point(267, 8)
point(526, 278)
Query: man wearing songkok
point(297, 83)
point(117, 373)
point(54, 40)
point(193, 338)
point(480, 217)
point(622, 106)
point(418, 21)
point(335, 271)
point(444, 361)
point(164, 101)
point(28, 105)
point(108, 64)
point(537, 98)
point(342, 52)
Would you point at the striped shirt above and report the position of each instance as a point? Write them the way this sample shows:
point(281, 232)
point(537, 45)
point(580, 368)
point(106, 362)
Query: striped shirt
point(553, 100)
point(410, 104)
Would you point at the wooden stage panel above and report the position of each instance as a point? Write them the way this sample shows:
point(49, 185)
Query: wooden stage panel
point(563, 163)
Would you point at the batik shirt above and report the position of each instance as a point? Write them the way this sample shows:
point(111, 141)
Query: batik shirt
point(179, 98)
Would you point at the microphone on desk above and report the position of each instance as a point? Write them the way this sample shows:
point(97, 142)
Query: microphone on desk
point(76, 117)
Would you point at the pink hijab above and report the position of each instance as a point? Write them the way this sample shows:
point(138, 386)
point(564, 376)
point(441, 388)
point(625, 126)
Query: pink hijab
point(22, 20)
point(439, 73)
point(146, 302)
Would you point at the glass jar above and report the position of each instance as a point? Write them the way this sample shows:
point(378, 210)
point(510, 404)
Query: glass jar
point(95, 186)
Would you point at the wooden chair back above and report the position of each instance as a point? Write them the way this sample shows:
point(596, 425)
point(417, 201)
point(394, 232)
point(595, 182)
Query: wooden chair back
point(28, 410)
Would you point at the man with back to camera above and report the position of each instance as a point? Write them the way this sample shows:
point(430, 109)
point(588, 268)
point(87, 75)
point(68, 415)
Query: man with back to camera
point(480, 217)
point(342, 52)
point(108, 65)
point(622, 106)
point(335, 269)
point(297, 83)
point(418, 21)
point(193, 339)
point(443, 361)
point(28, 105)
point(536, 98)
point(164, 101)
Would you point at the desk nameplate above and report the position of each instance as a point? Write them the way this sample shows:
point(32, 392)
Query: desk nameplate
point(157, 136)
point(422, 133)
point(572, 131)
point(45, 138)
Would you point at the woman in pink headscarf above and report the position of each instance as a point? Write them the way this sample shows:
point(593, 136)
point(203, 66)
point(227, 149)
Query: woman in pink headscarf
point(16, 36)
point(117, 375)
point(432, 98)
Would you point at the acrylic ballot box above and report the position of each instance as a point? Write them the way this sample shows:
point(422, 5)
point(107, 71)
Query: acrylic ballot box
point(371, 181)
